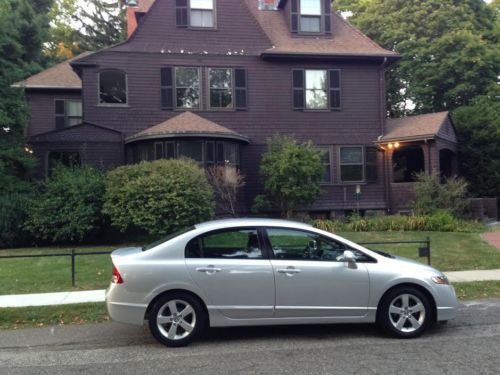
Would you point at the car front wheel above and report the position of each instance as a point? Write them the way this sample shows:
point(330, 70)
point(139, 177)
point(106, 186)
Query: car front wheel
point(405, 312)
point(176, 319)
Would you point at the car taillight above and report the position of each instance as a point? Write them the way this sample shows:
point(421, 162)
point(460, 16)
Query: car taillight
point(117, 278)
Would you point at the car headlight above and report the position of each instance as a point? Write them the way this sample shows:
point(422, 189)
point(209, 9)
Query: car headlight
point(441, 279)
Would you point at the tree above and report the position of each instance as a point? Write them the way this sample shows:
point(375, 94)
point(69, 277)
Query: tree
point(291, 173)
point(85, 26)
point(478, 131)
point(449, 49)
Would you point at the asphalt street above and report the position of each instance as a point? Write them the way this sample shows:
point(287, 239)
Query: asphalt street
point(470, 344)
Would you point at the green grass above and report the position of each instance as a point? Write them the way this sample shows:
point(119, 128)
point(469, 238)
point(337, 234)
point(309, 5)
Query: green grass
point(53, 274)
point(25, 317)
point(449, 251)
point(477, 290)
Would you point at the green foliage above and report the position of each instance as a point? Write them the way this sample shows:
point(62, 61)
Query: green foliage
point(431, 194)
point(68, 206)
point(291, 173)
point(478, 130)
point(440, 221)
point(449, 49)
point(158, 197)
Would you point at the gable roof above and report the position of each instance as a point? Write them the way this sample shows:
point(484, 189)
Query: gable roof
point(427, 126)
point(60, 76)
point(186, 124)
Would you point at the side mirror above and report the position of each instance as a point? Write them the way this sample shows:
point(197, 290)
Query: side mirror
point(349, 257)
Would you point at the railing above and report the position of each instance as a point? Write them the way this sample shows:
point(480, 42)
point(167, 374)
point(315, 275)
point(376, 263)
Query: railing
point(73, 254)
point(423, 251)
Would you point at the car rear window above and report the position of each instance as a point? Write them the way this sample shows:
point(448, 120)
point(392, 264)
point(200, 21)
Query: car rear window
point(165, 239)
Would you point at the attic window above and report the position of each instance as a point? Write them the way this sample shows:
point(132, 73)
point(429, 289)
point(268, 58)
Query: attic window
point(113, 87)
point(201, 13)
point(310, 16)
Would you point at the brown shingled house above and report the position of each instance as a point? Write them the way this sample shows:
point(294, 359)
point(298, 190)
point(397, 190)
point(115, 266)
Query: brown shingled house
point(213, 79)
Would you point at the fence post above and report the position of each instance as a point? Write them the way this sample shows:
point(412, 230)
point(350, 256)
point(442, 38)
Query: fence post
point(428, 250)
point(73, 267)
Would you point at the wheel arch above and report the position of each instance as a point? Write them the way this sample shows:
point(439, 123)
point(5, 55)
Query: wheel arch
point(420, 288)
point(173, 291)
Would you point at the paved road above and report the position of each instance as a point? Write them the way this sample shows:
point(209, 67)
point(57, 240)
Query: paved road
point(469, 344)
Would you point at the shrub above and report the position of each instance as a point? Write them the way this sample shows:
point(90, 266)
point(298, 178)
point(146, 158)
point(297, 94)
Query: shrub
point(291, 172)
point(67, 207)
point(439, 221)
point(14, 208)
point(432, 195)
point(158, 197)
point(225, 180)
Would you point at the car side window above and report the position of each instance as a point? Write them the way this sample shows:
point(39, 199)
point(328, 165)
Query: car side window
point(292, 244)
point(227, 244)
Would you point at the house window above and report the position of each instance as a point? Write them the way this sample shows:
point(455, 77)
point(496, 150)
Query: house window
point(351, 164)
point(68, 112)
point(201, 13)
point(187, 87)
point(220, 81)
point(327, 165)
point(112, 87)
point(316, 89)
point(310, 16)
point(191, 150)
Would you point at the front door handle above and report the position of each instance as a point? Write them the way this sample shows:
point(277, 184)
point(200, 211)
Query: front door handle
point(289, 271)
point(210, 270)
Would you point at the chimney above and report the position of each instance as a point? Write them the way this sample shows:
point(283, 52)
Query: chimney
point(131, 17)
point(268, 4)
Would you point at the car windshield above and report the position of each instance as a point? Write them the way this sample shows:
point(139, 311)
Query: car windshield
point(165, 239)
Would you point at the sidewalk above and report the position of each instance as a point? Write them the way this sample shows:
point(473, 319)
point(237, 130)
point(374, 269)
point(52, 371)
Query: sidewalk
point(47, 299)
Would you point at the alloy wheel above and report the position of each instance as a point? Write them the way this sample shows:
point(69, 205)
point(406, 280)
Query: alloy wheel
point(407, 313)
point(176, 319)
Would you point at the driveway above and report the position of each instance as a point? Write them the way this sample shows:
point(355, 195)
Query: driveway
point(469, 344)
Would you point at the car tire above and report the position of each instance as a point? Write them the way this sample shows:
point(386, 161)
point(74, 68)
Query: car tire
point(404, 312)
point(176, 319)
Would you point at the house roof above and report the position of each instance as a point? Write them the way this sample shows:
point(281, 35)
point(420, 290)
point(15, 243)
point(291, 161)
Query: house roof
point(346, 39)
point(419, 127)
point(60, 76)
point(186, 124)
point(84, 132)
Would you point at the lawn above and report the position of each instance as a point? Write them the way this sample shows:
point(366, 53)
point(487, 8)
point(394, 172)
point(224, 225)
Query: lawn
point(450, 252)
point(53, 274)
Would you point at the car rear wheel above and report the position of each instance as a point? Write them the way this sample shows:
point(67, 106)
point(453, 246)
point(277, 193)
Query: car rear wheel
point(176, 319)
point(405, 312)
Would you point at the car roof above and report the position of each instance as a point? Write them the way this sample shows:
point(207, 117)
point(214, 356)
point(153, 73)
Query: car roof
point(260, 222)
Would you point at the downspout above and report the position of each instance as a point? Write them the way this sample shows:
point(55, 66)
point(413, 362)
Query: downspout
point(382, 119)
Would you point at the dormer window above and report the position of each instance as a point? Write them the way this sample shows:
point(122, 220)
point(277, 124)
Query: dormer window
point(310, 16)
point(201, 13)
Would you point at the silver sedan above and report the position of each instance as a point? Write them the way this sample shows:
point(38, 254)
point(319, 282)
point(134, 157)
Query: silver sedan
point(243, 272)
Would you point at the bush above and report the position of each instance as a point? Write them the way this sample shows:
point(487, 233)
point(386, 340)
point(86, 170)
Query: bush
point(292, 173)
point(158, 197)
point(439, 221)
point(14, 208)
point(432, 195)
point(67, 207)
point(225, 180)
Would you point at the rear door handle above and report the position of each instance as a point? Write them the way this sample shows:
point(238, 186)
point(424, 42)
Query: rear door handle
point(289, 271)
point(209, 270)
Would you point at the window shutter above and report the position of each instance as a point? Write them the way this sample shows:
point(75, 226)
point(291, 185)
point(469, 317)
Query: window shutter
point(371, 174)
point(167, 89)
point(240, 87)
point(60, 113)
point(181, 13)
point(328, 16)
point(294, 22)
point(335, 89)
point(298, 90)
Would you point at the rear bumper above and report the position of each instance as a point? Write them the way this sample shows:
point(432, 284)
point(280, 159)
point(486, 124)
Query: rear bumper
point(124, 312)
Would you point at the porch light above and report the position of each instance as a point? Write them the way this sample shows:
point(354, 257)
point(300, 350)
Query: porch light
point(396, 145)
point(28, 149)
point(393, 145)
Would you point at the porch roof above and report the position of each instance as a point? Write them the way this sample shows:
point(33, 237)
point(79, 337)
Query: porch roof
point(186, 124)
point(421, 127)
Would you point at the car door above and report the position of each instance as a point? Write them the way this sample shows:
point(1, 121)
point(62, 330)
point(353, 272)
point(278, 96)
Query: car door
point(311, 278)
point(230, 268)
